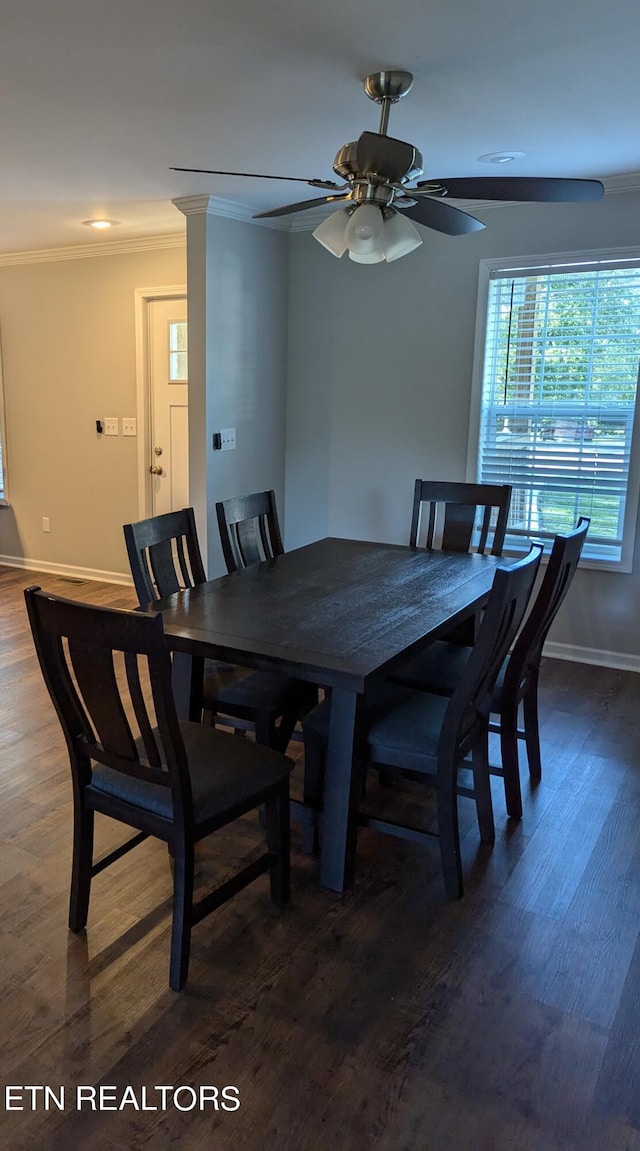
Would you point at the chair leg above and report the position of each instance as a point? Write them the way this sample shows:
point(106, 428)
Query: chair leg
point(277, 812)
point(448, 831)
point(315, 751)
point(482, 790)
point(510, 764)
point(182, 910)
point(281, 733)
point(306, 698)
point(81, 867)
point(266, 730)
point(532, 728)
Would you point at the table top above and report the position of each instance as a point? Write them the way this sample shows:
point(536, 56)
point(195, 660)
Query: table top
point(336, 612)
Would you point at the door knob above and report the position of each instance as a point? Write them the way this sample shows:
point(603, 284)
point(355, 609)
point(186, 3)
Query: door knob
point(155, 470)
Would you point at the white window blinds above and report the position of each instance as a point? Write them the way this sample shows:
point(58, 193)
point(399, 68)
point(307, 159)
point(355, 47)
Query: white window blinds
point(559, 383)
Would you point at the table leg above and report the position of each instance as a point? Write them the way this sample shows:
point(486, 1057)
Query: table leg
point(341, 796)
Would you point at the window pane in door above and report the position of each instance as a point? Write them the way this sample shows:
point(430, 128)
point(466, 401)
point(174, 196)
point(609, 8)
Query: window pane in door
point(178, 364)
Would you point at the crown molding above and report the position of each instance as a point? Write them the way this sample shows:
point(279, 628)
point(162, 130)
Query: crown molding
point(87, 251)
point(230, 209)
point(626, 182)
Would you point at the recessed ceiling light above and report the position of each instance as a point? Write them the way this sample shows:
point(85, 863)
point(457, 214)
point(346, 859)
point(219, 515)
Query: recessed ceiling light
point(501, 157)
point(100, 224)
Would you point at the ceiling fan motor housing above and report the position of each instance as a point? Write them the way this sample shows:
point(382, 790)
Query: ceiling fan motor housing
point(346, 165)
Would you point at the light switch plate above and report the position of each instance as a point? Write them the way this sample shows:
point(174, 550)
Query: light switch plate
point(111, 426)
point(129, 427)
point(227, 439)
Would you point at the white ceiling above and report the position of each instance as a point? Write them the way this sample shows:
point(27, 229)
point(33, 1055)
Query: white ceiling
point(98, 98)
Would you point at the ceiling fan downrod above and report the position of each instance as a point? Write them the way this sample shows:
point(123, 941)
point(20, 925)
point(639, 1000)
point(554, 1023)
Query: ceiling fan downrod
point(386, 88)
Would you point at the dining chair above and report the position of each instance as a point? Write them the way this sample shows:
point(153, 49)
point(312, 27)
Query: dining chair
point(108, 673)
point(164, 556)
point(429, 735)
point(440, 667)
point(460, 517)
point(250, 534)
point(249, 529)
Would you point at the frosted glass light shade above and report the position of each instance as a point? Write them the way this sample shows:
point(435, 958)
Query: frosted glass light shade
point(400, 237)
point(367, 257)
point(331, 233)
point(364, 233)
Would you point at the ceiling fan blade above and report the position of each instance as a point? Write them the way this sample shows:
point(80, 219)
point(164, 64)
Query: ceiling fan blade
point(535, 188)
point(442, 217)
point(385, 156)
point(330, 184)
point(301, 206)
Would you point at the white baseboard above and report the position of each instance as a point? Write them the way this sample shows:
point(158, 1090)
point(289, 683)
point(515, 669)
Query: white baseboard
point(67, 570)
point(621, 660)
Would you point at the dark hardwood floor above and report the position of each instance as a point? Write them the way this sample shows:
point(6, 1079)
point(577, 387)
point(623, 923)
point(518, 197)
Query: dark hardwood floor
point(385, 1019)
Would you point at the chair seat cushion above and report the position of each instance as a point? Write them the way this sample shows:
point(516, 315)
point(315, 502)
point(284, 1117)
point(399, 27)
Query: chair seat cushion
point(225, 772)
point(219, 676)
point(250, 692)
point(438, 669)
point(397, 726)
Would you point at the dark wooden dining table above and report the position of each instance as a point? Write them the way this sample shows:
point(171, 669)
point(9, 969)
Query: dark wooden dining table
point(339, 613)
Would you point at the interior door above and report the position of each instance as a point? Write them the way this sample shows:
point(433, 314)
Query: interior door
point(169, 400)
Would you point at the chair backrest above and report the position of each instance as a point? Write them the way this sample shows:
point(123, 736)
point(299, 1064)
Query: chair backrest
point(249, 529)
point(108, 673)
point(164, 555)
point(560, 570)
point(470, 704)
point(456, 512)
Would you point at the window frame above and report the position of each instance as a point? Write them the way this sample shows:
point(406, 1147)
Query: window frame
point(593, 556)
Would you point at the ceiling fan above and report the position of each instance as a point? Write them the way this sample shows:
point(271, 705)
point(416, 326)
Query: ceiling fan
point(379, 197)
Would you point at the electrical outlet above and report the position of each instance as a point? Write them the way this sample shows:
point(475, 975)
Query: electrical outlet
point(227, 439)
point(129, 427)
point(111, 426)
point(45, 524)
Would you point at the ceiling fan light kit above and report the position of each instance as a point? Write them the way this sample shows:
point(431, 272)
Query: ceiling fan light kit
point(378, 199)
point(369, 234)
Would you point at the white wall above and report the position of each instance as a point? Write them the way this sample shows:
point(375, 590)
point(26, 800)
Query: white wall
point(238, 297)
point(380, 361)
point(68, 341)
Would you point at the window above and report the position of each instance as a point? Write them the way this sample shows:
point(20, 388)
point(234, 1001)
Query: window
point(178, 351)
point(555, 389)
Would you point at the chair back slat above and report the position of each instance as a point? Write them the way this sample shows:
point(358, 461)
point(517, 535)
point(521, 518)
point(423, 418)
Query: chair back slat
point(557, 579)
point(141, 711)
point(80, 648)
point(249, 529)
point(164, 555)
point(248, 539)
point(458, 522)
point(468, 710)
point(95, 674)
point(456, 513)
